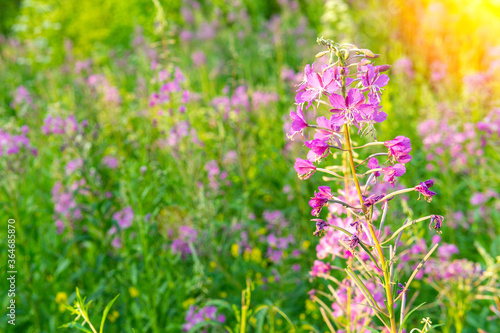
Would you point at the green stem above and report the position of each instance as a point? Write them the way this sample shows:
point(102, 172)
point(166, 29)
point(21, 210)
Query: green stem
point(387, 282)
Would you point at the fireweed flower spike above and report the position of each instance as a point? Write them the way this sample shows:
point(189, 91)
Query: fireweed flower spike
point(349, 229)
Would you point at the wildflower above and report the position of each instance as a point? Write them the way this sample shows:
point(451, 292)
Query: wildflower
point(353, 242)
point(235, 250)
point(110, 162)
point(298, 122)
point(61, 299)
point(133, 292)
point(320, 267)
point(400, 289)
point(316, 85)
point(436, 223)
point(399, 149)
point(327, 129)
point(320, 199)
point(393, 171)
point(423, 188)
point(351, 109)
point(372, 80)
point(113, 316)
point(124, 217)
point(445, 251)
point(320, 226)
point(318, 147)
point(373, 164)
point(305, 169)
point(372, 199)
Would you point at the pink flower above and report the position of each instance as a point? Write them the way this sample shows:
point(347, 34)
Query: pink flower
point(351, 109)
point(124, 217)
point(423, 188)
point(110, 162)
point(319, 148)
point(372, 80)
point(320, 268)
point(304, 168)
point(393, 171)
point(373, 164)
point(298, 123)
point(399, 148)
point(320, 199)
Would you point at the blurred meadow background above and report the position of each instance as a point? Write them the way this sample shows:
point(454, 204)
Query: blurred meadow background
point(143, 151)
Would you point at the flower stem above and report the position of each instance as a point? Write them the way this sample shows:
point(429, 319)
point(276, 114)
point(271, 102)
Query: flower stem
point(387, 282)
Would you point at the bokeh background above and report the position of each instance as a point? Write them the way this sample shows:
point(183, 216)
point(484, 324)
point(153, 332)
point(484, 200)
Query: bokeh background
point(143, 153)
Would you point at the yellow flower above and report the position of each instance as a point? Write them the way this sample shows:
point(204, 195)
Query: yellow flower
point(256, 255)
point(235, 250)
point(302, 316)
point(188, 302)
point(213, 265)
point(61, 297)
point(223, 294)
point(246, 255)
point(133, 292)
point(113, 316)
point(270, 279)
point(262, 231)
point(310, 306)
point(306, 244)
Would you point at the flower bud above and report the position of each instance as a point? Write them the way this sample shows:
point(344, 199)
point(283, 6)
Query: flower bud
point(383, 68)
point(367, 53)
point(320, 54)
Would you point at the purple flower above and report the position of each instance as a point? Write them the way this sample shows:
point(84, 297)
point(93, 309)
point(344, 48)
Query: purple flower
point(353, 242)
point(423, 188)
point(305, 169)
point(372, 80)
point(124, 217)
point(399, 148)
point(351, 109)
point(372, 199)
point(320, 199)
point(325, 134)
point(315, 85)
point(436, 223)
point(298, 123)
point(199, 58)
point(319, 148)
point(110, 162)
point(320, 226)
point(320, 267)
point(393, 171)
point(445, 251)
point(373, 164)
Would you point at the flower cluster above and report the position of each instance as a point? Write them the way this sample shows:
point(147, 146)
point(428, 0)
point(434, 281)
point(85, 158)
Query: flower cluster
point(351, 89)
point(186, 236)
point(196, 315)
point(14, 144)
point(62, 126)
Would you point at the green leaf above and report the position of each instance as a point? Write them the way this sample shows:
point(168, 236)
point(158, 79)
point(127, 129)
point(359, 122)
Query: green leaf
point(372, 330)
point(105, 313)
point(261, 318)
point(76, 325)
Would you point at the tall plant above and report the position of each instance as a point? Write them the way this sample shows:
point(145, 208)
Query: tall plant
point(349, 87)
